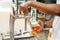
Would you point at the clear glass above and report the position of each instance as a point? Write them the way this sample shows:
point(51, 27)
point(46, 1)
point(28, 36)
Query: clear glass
point(35, 27)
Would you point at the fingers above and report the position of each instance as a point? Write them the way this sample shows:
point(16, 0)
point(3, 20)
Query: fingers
point(41, 23)
point(23, 9)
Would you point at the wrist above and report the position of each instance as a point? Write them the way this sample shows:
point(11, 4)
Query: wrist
point(45, 25)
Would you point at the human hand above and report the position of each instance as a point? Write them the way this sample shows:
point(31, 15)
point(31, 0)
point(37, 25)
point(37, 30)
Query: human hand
point(24, 7)
point(41, 24)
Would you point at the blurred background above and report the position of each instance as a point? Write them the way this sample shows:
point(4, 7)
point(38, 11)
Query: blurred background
point(12, 25)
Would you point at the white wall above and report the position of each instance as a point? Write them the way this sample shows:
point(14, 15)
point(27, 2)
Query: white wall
point(5, 0)
point(4, 22)
point(5, 10)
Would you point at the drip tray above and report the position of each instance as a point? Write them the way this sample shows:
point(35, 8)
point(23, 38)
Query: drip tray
point(25, 35)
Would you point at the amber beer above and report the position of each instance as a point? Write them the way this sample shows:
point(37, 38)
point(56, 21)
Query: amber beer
point(35, 28)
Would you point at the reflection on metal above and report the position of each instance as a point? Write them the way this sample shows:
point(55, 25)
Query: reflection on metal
point(12, 27)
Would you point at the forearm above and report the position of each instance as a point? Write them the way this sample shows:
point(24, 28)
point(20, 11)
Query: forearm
point(53, 9)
